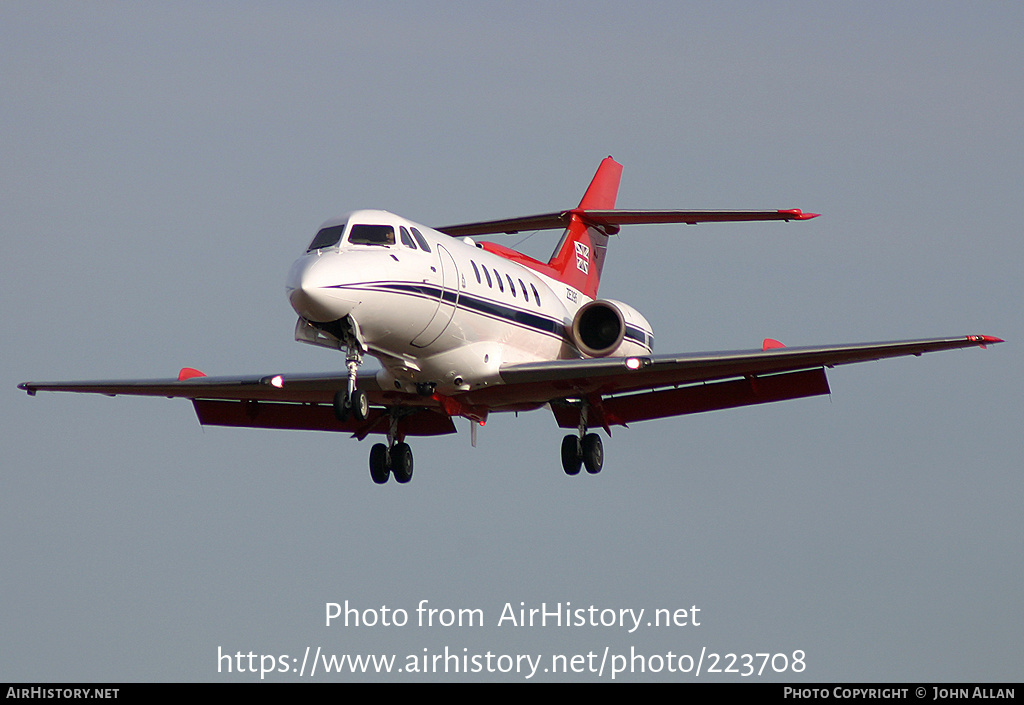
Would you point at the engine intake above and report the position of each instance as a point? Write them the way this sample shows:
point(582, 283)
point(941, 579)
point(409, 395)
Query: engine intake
point(598, 328)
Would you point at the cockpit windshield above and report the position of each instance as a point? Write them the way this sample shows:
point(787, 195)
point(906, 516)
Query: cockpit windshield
point(372, 235)
point(327, 237)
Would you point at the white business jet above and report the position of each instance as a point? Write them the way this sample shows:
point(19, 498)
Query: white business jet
point(463, 329)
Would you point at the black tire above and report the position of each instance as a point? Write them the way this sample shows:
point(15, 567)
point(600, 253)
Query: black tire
point(341, 406)
point(401, 462)
point(572, 455)
point(360, 405)
point(593, 453)
point(379, 470)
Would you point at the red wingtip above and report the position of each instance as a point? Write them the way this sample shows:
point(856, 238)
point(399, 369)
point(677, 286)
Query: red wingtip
point(189, 373)
point(797, 214)
point(983, 341)
point(770, 344)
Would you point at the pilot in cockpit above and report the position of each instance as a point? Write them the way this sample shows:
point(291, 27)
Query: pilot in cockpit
point(372, 235)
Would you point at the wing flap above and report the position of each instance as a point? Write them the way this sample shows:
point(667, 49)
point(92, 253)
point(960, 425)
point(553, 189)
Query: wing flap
point(315, 417)
point(696, 399)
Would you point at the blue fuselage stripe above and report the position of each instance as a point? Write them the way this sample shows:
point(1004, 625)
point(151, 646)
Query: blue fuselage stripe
point(526, 319)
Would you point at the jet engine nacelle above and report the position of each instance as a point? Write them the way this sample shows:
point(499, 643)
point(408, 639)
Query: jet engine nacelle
point(605, 328)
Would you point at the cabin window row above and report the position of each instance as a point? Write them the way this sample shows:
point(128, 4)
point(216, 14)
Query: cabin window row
point(497, 281)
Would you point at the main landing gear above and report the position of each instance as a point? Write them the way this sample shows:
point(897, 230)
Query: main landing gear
point(587, 452)
point(583, 449)
point(394, 458)
point(385, 461)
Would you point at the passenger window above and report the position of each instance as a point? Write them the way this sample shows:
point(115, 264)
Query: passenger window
point(372, 235)
point(476, 272)
point(501, 287)
point(488, 276)
point(526, 297)
point(407, 238)
point(511, 286)
point(535, 294)
point(420, 239)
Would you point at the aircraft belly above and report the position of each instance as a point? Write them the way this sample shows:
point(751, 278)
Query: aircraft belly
point(476, 360)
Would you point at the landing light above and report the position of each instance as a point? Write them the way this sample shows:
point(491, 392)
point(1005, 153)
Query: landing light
point(277, 381)
point(633, 363)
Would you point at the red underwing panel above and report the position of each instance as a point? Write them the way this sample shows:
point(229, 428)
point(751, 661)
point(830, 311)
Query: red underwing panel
point(314, 417)
point(699, 398)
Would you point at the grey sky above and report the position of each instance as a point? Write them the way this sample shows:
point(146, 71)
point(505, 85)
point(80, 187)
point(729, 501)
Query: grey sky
point(164, 164)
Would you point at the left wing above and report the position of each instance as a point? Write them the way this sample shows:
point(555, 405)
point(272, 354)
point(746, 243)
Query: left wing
point(622, 390)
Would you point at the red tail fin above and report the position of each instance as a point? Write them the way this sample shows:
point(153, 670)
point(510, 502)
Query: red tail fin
point(579, 257)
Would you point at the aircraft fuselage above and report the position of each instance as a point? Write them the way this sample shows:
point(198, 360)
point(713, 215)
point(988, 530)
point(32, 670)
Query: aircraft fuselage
point(435, 309)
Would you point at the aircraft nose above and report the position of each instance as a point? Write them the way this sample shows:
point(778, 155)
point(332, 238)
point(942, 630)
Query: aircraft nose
point(314, 294)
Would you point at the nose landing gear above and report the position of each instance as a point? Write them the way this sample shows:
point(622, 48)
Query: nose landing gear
point(358, 405)
point(352, 400)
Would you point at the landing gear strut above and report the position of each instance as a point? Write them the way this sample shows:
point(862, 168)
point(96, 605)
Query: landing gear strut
point(395, 458)
point(584, 449)
point(352, 400)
